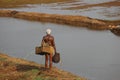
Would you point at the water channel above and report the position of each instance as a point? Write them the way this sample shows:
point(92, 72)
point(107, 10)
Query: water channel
point(88, 53)
point(91, 54)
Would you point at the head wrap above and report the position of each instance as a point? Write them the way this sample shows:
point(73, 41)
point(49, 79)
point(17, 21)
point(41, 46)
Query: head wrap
point(48, 31)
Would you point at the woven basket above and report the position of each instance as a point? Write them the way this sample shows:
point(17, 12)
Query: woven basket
point(44, 49)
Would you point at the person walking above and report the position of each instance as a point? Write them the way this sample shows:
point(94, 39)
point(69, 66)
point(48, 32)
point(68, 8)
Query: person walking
point(49, 39)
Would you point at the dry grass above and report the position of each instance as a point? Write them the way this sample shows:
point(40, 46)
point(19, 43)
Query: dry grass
point(19, 3)
point(80, 21)
point(19, 69)
point(55, 18)
point(90, 23)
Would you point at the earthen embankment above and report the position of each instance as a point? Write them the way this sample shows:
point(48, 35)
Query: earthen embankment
point(79, 21)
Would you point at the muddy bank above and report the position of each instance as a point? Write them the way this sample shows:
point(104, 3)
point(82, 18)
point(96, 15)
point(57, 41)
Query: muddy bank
point(19, 69)
point(22, 3)
point(79, 21)
point(105, 4)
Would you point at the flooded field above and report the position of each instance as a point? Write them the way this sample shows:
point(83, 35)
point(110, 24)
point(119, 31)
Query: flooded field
point(100, 9)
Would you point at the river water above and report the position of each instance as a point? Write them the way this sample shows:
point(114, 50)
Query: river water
point(91, 54)
point(88, 53)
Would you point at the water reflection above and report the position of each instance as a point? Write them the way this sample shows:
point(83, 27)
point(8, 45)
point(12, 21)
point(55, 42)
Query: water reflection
point(92, 54)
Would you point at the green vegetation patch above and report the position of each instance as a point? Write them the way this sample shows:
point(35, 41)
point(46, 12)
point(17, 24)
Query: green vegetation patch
point(2, 59)
point(39, 78)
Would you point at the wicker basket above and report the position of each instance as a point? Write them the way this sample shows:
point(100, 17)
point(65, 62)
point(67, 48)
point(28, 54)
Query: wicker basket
point(44, 49)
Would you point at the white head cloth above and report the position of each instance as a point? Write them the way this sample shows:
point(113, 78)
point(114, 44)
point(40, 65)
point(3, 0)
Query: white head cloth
point(48, 31)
